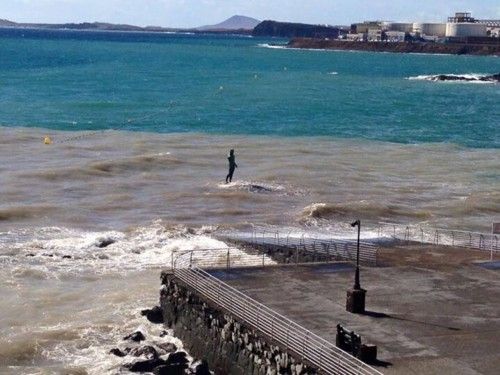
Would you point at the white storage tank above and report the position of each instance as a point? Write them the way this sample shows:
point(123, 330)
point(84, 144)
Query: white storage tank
point(437, 29)
point(459, 30)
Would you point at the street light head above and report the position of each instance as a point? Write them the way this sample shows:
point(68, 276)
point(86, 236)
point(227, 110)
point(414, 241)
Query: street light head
point(355, 223)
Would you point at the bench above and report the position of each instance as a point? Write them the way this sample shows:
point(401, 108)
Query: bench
point(350, 342)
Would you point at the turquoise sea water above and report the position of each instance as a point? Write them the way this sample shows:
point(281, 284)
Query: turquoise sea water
point(231, 85)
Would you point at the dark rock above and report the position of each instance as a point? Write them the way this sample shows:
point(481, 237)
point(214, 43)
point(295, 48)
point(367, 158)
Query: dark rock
point(291, 30)
point(117, 352)
point(177, 369)
point(178, 357)
point(148, 351)
point(167, 347)
point(30, 255)
point(136, 336)
point(104, 242)
point(202, 368)
point(66, 257)
point(145, 366)
point(154, 315)
point(403, 47)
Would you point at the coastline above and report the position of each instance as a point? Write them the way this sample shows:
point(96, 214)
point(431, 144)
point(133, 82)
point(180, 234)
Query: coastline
point(403, 47)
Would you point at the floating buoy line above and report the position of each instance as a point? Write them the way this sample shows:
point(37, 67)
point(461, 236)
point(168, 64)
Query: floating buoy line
point(48, 140)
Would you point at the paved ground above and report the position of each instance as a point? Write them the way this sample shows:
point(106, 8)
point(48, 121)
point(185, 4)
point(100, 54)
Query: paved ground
point(430, 310)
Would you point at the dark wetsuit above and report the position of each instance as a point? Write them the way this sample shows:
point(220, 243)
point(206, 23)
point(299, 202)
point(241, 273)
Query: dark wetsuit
point(232, 166)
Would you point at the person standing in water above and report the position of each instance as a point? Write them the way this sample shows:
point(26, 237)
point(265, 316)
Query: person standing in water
point(232, 166)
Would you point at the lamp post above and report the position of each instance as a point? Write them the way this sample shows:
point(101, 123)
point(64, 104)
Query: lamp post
point(355, 302)
point(357, 285)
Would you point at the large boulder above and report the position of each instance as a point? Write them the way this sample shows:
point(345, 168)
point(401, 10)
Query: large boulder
point(145, 366)
point(202, 368)
point(117, 352)
point(137, 336)
point(177, 358)
point(176, 369)
point(154, 315)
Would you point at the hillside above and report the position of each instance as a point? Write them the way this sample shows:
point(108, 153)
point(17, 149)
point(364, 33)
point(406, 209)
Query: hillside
point(7, 23)
point(294, 30)
point(232, 23)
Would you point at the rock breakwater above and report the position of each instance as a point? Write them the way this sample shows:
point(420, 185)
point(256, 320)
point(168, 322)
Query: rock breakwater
point(403, 47)
point(229, 346)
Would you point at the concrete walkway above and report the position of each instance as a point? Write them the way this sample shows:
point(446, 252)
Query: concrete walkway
point(430, 310)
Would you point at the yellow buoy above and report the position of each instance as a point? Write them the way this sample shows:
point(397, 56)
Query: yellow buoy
point(47, 140)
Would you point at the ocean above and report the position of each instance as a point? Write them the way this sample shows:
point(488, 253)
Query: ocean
point(140, 127)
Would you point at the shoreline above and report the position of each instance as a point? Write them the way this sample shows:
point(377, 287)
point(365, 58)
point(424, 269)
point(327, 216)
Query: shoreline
point(402, 47)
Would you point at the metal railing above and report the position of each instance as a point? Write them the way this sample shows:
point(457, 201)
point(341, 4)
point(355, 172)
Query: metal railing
point(330, 248)
point(445, 237)
point(282, 331)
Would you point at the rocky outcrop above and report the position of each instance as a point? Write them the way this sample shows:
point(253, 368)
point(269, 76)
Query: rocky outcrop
point(466, 78)
point(403, 47)
point(228, 345)
point(294, 30)
point(154, 315)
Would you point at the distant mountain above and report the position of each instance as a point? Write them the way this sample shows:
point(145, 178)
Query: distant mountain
point(232, 23)
point(7, 23)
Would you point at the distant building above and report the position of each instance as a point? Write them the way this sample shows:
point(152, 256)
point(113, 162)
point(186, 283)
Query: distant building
point(358, 28)
point(429, 29)
point(494, 32)
point(398, 26)
point(361, 37)
point(395, 36)
point(464, 25)
point(374, 35)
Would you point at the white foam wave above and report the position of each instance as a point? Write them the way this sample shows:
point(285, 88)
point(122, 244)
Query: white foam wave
point(62, 251)
point(260, 187)
point(460, 78)
point(332, 73)
point(272, 46)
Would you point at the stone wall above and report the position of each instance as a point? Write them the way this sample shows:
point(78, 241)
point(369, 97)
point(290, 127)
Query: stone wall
point(228, 345)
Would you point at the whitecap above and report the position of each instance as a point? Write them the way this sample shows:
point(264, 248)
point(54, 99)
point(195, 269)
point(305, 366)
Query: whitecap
point(480, 78)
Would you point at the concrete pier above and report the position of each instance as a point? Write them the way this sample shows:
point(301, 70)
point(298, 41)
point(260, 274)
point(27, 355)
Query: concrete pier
point(430, 310)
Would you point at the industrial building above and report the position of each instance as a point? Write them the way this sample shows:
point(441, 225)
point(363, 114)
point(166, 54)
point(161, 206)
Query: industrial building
point(461, 26)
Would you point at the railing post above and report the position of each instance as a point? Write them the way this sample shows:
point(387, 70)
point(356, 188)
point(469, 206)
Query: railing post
point(452, 238)
point(272, 330)
point(191, 259)
point(263, 258)
point(296, 255)
point(227, 261)
point(218, 294)
point(422, 236)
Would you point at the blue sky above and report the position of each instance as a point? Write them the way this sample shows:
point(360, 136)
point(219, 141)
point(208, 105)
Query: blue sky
point(188, 13)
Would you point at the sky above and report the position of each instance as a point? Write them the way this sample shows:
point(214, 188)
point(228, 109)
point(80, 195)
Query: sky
point(191, 13)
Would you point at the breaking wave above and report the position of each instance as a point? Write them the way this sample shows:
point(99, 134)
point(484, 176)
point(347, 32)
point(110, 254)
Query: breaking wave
point(257, 187)
point(272, 46)
point(360, 209)
point(471, 78)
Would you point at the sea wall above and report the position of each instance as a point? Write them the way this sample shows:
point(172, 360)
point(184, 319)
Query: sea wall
point(403, 47)
point(228, 345)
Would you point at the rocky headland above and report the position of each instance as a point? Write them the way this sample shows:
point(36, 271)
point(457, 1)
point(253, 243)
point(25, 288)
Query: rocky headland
point(294, 30)
point(402, 47)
